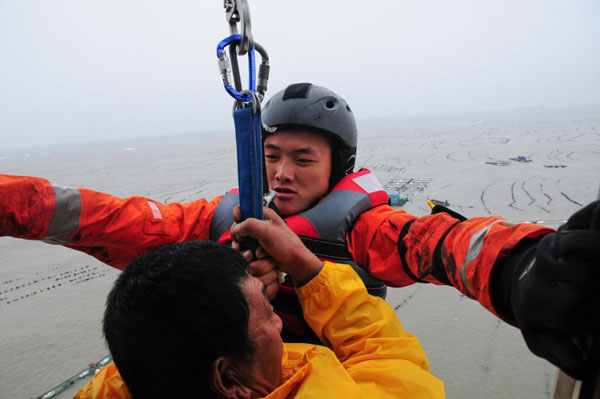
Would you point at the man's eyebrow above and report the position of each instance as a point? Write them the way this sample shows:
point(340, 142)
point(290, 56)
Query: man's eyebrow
point(301, 150)
point(304, 150)
point(271, 146)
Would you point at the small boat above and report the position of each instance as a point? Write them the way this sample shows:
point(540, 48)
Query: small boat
point(521, 158)
point(555, 166)
point(498, 163)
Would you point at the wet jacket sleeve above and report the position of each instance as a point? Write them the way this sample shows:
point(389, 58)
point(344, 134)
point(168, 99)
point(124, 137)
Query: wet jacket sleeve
point(400, 249)
point(366, 336)
point(112, 229)
point(106, 384)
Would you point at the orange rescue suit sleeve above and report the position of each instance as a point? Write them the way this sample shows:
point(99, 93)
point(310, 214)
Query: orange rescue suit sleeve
point(401, 249)
point(111, 229)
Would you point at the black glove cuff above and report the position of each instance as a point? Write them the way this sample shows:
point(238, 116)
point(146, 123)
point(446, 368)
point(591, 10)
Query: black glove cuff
point(505, 274)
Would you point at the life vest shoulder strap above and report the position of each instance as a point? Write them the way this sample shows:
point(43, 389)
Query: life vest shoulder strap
point(223, 216)
point(327, 249)
point(332, 218)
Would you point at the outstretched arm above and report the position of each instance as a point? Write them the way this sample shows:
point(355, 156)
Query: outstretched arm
point(401, 249)
point(112, 229)
point(555, 301)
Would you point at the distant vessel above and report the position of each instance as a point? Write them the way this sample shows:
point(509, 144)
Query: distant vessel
point(521, 158)
point(555, 166)
point(498, 163)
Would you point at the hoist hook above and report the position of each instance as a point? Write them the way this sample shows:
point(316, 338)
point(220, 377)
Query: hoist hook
point(238, 11)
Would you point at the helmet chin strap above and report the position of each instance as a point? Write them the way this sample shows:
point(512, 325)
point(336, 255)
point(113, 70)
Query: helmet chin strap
point(338, 167)
point(350, 161)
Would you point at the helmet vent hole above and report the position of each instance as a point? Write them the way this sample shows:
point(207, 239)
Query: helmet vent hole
point(348, 108)
point(330, 104)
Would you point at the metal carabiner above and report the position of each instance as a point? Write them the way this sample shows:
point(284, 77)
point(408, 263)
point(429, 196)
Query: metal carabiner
point(239, 11)
point(254, 102)
point(225, 69)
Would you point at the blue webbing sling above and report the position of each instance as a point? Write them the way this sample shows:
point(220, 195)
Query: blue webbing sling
point(248, 133)
point(248, 138)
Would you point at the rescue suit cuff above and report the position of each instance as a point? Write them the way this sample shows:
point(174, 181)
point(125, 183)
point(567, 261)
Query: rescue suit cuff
point(308, 279)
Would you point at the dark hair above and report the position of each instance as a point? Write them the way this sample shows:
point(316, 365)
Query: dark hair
point(172, 313)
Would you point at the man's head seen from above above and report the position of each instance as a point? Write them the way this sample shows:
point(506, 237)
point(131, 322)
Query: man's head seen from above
point(187, 319)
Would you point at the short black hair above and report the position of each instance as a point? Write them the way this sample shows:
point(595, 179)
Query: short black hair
point(172, 313)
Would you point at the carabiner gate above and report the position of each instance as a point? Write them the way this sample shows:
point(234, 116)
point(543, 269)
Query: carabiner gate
point(226, 70)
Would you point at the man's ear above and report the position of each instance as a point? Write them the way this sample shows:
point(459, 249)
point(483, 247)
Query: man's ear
point(223, 381)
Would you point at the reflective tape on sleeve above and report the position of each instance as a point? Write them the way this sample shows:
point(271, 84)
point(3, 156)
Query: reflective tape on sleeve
point(65, 219)
point(156, 214)
point(475, 246)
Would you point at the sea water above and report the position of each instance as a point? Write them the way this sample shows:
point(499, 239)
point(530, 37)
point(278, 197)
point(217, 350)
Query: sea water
point(52, 298)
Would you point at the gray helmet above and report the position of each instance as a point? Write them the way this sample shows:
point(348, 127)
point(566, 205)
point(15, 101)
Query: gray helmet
point(319, 109)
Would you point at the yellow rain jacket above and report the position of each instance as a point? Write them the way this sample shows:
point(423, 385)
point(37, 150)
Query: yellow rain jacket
point(369, 355)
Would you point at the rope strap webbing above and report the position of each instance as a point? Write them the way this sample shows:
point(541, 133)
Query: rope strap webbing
point(248, 134)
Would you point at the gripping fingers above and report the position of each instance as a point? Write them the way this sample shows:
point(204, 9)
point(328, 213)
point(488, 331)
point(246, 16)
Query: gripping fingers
point(271, 283)
point(237, 214)
point(260, 253)
point(262, 267)
point(264, 270)
point(247, 254)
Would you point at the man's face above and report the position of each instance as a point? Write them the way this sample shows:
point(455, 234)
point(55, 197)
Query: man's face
point(298, 166)
point(264, 328)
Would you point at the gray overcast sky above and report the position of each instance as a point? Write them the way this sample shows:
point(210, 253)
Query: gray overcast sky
point(73, 70)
